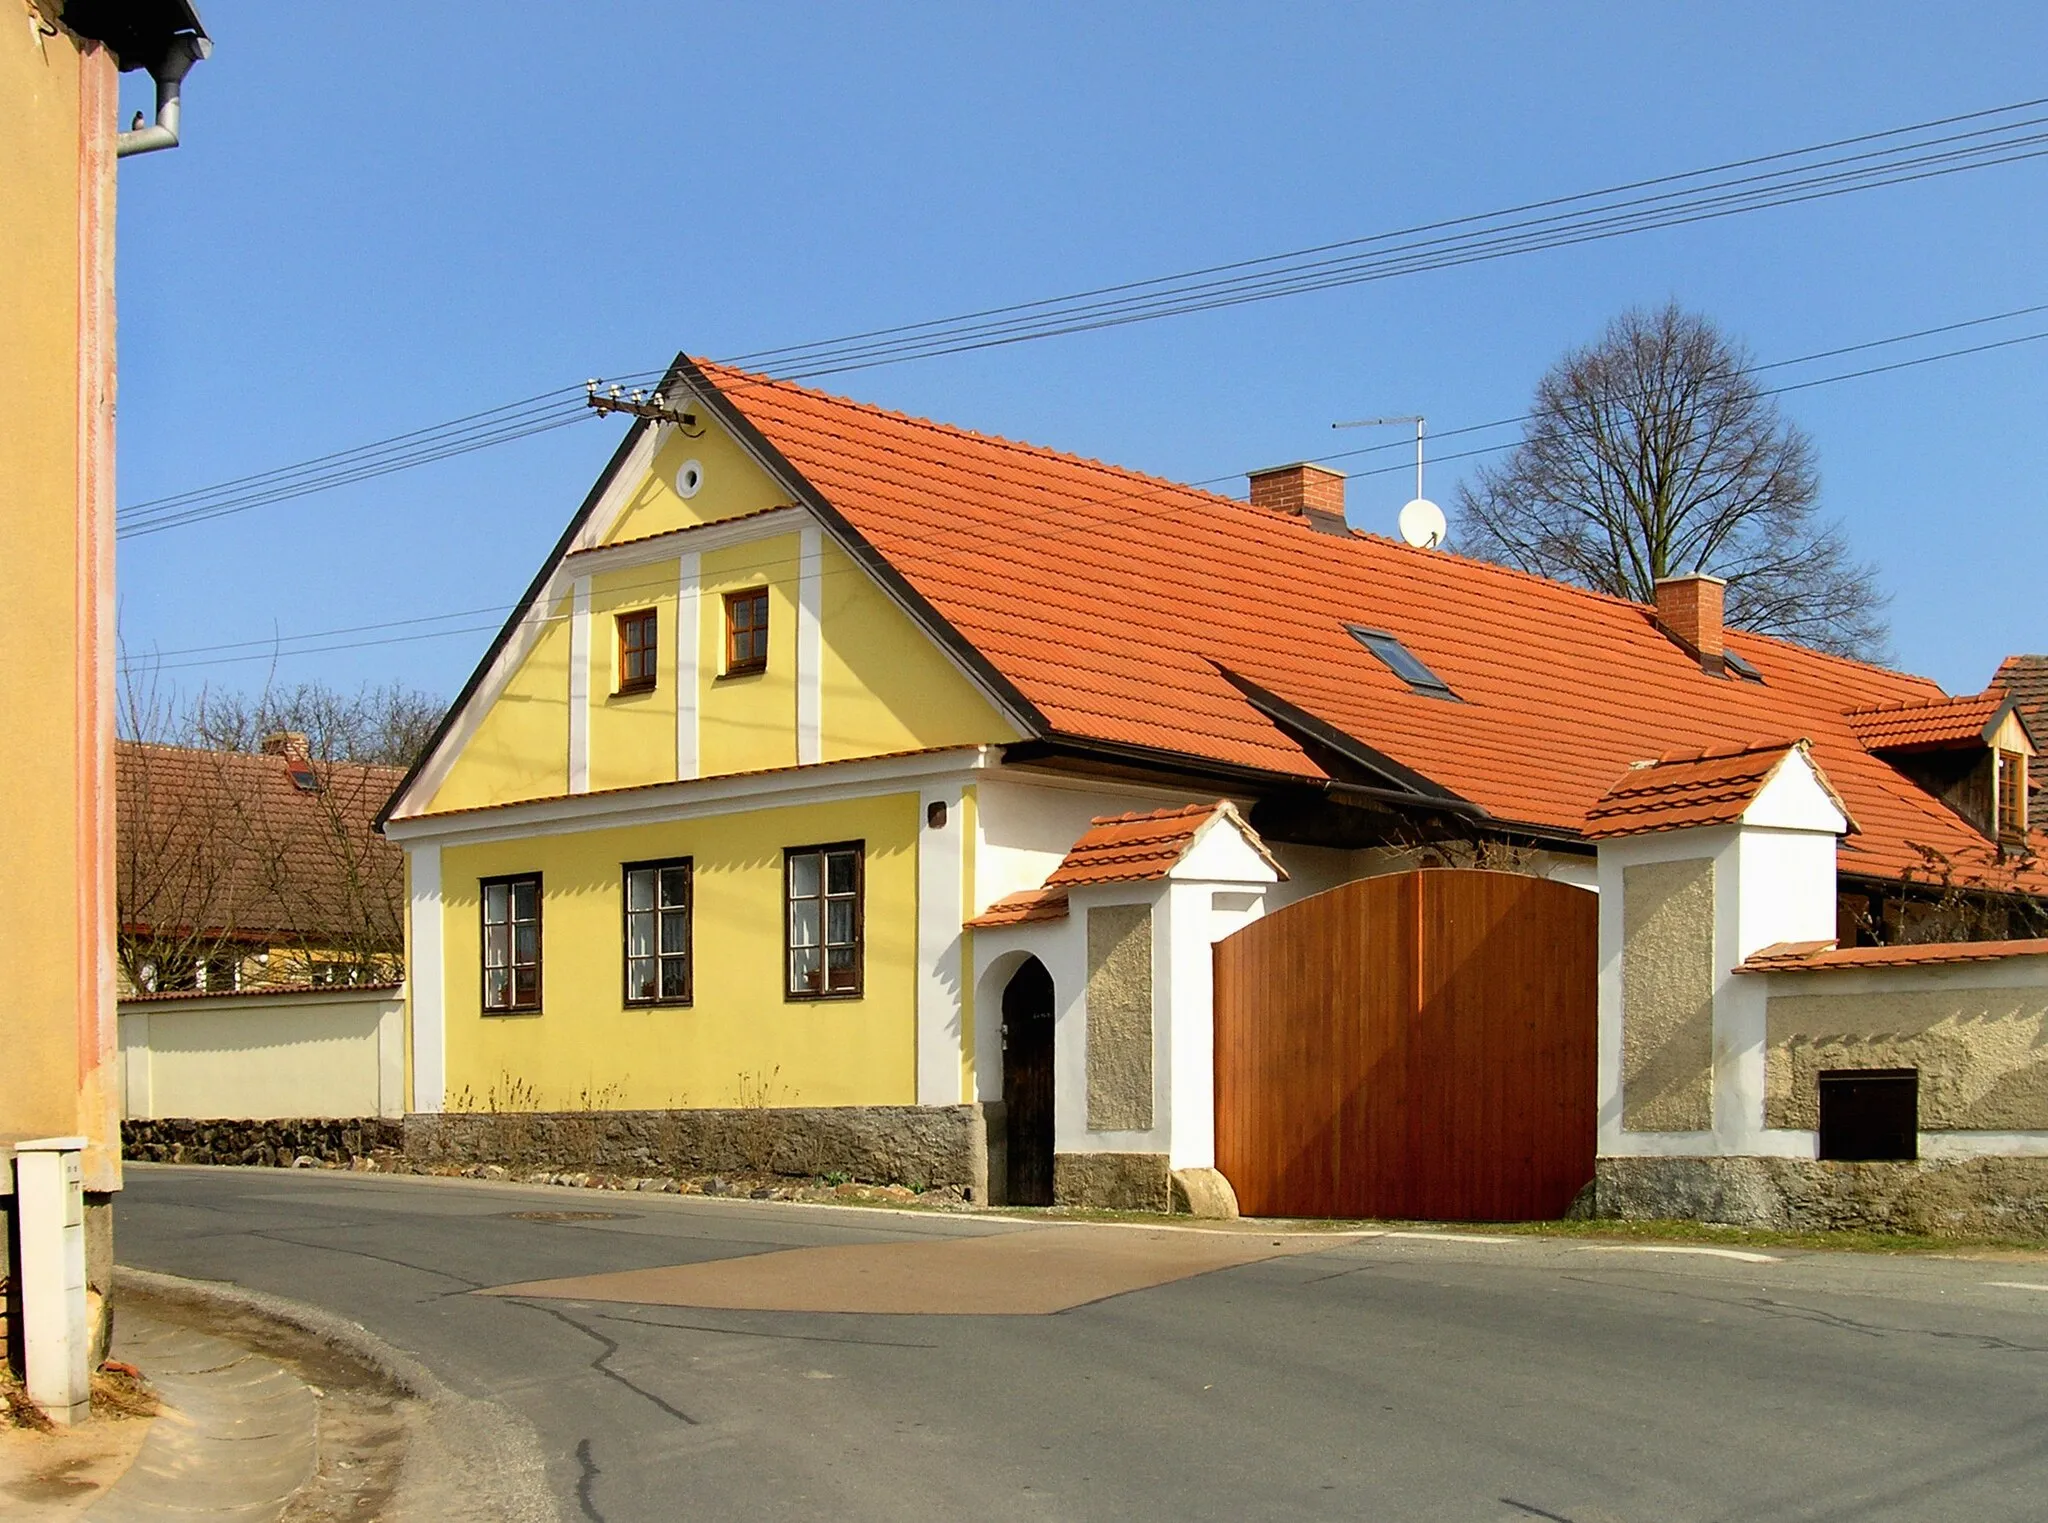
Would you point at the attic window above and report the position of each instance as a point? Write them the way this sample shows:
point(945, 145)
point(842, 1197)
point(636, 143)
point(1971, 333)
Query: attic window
point(1740, 667)
point(301, 772)
point(1402, 662)
point(2012, 795)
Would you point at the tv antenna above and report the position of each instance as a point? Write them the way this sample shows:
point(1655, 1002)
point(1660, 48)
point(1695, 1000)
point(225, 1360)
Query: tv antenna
point(1422, 521)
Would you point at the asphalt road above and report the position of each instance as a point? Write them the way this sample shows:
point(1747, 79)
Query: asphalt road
point(1394, 1377)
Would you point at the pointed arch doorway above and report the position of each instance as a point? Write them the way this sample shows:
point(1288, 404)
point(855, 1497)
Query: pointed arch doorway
point(1027, 1084)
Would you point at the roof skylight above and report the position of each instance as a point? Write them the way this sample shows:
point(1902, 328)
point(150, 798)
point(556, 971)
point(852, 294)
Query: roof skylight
point(1740, 667)
point(1402, 662)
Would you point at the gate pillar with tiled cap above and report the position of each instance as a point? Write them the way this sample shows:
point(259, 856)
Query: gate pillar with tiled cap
point(1124, 929)
point(1704, 860)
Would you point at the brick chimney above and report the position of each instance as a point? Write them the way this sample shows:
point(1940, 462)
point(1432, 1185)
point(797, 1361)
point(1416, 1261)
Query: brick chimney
point(1299, 490)
point(291, 744)
point(1689, 610)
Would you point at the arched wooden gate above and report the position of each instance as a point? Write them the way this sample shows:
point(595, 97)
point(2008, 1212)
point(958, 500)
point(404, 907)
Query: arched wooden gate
point(1420, 1046)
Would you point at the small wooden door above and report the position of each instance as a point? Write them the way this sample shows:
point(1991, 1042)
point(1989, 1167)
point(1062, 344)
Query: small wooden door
point(1027, 1083)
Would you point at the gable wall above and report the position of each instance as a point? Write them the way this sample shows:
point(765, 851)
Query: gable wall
point(854, 676)
point(521, 748)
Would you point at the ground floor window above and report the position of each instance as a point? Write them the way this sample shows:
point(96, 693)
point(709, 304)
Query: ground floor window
point(511, 943)
point(658, 932)
point(823, 928)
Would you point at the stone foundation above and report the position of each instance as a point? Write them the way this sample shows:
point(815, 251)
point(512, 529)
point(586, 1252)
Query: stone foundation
point(259, 1143)
point(1113, 1181)
point(1989, 1197)
point(920, 1146)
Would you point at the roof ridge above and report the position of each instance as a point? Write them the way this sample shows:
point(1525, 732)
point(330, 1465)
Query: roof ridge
point(958, 430)
point(1914, 705)
point(1727, 752)
point(237, 757)
point(1182, 812)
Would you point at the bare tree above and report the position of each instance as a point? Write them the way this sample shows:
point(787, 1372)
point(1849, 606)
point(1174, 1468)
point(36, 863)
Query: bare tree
point(1655, 452)
point(388, 726)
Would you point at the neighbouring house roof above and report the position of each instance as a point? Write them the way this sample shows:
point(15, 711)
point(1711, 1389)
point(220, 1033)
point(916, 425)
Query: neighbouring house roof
point(2026, 679)
point(1819, 956)
point(214, 841)
point(1929, 723)
point(1702, 788)
point(1119, 607)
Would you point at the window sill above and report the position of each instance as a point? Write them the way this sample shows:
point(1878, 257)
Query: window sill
point(742, 674)
point(501, 1015)
point(659, 1004)
point(836, 996)
point(640, 691)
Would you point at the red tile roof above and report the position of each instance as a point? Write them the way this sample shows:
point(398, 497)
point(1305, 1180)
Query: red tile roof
point(1114, 603)
point(1818, 956)
point(1677, 792)
point(1130, 848)
point(1926, 723)
point(1025, 907)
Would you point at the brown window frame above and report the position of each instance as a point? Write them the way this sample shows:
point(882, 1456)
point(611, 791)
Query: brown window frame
point(823, 899)
point(643, 653)
point(756, 659)
point(688, 956)
point(514, 1005)
point(2009, 785)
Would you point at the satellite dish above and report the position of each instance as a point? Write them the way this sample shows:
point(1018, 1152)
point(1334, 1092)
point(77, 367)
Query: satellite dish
point(1422, 524)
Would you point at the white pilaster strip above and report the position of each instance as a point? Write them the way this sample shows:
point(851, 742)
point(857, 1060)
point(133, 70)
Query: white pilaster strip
point(425, 981)
point(940, 977)
point(810, 647)
point(689, 640)
point(579, 687)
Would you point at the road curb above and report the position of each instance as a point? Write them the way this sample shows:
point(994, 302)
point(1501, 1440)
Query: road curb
point(400, 1370)
point(467, 1458)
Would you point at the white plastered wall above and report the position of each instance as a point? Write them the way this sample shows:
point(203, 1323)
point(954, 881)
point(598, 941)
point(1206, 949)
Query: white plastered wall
point(258, 1057)
point(1219, 886)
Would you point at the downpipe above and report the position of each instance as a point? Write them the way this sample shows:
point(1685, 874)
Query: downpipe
point(170, 77)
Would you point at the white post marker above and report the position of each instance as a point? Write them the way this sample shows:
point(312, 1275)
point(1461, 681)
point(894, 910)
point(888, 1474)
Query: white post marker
point(49, 1198)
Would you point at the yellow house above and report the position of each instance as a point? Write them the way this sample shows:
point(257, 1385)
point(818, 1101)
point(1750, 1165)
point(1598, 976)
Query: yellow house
point(59, 141)
point(900, 779)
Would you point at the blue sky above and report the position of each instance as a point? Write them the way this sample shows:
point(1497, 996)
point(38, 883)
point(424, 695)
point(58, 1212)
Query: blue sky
point(383, 218)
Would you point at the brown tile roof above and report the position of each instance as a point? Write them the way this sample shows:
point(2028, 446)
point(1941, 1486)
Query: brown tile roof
point(1025, 907)
point(224, 841)
point(2026, 679)
point(1818, 956)
point(1678, 792)
point(1926, 723)
point(1115, 604)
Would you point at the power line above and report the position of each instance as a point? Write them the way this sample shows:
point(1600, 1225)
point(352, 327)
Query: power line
point(1566, 221)
point(272, 648)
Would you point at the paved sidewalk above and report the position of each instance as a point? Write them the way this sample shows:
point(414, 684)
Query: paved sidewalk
point(238, 1433)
